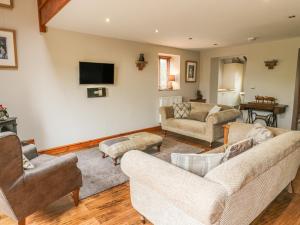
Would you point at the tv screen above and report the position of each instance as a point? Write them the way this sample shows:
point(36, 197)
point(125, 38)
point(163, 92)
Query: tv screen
point(96, 73)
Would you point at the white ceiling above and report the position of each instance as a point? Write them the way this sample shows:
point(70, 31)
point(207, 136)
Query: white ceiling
point(226, 22)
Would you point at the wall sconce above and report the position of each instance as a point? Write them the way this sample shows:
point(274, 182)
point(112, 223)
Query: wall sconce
point(171, 79)
point(271, 64)
point(141, 63)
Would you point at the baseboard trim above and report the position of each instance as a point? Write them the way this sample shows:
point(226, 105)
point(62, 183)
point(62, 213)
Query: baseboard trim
point(91, 143)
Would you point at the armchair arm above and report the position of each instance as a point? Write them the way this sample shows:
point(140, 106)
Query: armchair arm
point(201, 199)
point(166, 112)
point(62, 163)
point(223, 116)
point(30, 151)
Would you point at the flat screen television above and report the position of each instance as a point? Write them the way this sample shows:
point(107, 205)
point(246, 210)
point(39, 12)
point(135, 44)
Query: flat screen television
point(96, 73)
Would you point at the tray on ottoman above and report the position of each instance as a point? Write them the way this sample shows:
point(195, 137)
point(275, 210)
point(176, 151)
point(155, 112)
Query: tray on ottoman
point(117, 147)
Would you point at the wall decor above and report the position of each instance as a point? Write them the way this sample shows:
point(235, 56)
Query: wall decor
point(7, 3)
point(8, 49)
point(191, 71)
point(141, 63)
point(271, 64)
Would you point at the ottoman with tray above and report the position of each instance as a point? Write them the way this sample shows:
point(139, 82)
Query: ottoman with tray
point(117, 147)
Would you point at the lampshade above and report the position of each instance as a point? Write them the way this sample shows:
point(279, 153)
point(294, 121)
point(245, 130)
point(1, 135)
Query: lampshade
point(171, 78)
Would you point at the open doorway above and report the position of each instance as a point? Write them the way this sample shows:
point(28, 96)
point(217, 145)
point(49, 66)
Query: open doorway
point(296, 109)
point(228, 73)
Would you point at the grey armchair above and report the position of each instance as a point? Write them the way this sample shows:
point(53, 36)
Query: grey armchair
point(22, 192)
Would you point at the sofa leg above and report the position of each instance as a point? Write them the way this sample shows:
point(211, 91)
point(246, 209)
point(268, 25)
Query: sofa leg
point(290, 188)
point(22, 222)
point(75, 195)
point(104, 155)
point(158, 147)
point(116, 161)
point(143, 219)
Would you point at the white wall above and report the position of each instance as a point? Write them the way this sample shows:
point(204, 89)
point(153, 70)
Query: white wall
point(50, 104)
point(279, 82)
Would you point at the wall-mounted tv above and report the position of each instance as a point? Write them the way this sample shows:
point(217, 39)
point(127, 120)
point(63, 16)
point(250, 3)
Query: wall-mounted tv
point(96, 73)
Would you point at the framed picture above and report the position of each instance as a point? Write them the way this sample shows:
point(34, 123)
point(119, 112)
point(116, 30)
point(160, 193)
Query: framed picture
point(191, 71)
point(7, 3)
point(8, 51)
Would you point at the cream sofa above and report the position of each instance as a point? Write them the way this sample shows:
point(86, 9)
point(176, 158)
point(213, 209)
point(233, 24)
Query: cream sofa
point(209, 131)
point(234, 193)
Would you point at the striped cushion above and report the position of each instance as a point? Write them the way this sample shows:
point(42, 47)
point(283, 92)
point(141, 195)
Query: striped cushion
point(199, 164)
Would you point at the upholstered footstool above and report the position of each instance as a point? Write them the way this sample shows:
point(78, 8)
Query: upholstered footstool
point(117, 147)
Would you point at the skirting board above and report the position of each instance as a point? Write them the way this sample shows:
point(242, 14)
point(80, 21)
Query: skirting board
point(91, 143)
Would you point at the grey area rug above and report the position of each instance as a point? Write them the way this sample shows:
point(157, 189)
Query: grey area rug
point(100, 174)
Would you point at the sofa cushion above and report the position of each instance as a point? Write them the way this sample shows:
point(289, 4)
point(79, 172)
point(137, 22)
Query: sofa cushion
point(181, 110)
point(198, 115)
point(214, 109)
point(238, 148)
point(259, 134)
point(186, 125)
point(198, 164)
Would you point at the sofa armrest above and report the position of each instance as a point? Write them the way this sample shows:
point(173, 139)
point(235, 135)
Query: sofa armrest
point(30, 151)
point(199, 198)
point(166, 112)
point(223, 116)
point(47, 169)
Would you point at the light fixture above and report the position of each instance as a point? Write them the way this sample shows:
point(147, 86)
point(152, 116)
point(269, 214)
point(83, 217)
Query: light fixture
point(107, 20)
point(190, 38)
point(216, 44)
point(252, 38)
point(292, 16)
point(156, 30)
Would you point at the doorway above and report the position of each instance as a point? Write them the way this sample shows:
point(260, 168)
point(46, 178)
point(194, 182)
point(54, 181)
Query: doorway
point(296, 110)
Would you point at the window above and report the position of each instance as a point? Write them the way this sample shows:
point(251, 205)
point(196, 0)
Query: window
point(169, 75)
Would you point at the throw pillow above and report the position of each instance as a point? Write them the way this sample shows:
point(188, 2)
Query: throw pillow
point(27, 164)
point(238, 148)
point(259, 133)
point(182, 110)
point(199, 164)
point(214, 109)
point(199, 116)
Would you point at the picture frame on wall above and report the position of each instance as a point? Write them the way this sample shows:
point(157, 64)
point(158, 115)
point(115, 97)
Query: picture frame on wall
point(8, 49)
point(191, 71)
point(7, 3)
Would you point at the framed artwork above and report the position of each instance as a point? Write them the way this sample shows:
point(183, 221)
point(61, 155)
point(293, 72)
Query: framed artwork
point(191, 71)
point(8, 49)
point(7, 3)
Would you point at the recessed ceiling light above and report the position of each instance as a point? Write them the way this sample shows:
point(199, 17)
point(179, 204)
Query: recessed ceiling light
point(252, 38)
point(190, 38)
point(156, 30)
point(107, 20)
point(216, 44)
point(292, 16)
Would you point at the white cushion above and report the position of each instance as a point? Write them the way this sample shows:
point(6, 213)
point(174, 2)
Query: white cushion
point(214, 109)
point(199, 164)
point(259, 134)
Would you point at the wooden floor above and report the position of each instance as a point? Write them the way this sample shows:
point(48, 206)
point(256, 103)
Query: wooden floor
point(113, 207)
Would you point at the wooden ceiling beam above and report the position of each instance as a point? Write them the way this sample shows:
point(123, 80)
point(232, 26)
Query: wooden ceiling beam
point(47, 10)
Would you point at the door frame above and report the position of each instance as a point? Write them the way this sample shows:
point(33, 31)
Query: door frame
point(296, 110)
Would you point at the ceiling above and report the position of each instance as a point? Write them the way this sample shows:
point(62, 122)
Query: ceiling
point(208, 22)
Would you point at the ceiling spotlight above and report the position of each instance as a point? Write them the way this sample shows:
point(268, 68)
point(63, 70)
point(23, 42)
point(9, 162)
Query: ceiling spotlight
point(292, 16)
point(156, 30)
point(252, 38)
point(216, 44)
point(107, 20)
point(190, 38)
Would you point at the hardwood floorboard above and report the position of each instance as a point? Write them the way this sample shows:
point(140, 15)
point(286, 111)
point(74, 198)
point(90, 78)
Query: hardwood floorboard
point(113, 207)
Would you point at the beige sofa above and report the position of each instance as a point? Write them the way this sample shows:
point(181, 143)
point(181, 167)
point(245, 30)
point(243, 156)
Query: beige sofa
point(234, 193)
point(210, 130)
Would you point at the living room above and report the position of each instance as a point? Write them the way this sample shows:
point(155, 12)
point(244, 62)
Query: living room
point(158, 60)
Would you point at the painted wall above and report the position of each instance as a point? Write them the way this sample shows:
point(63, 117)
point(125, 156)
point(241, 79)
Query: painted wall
point(279, 82)
point(45, 95)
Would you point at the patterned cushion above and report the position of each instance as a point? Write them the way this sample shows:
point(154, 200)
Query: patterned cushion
point(27, 164)
point(182, 110)
point(259, 134)
point(200, 116)
point(199, 164)
point(238, 148)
